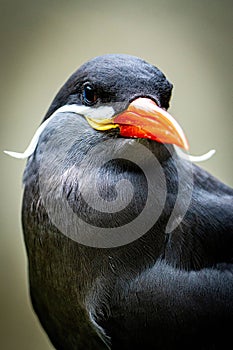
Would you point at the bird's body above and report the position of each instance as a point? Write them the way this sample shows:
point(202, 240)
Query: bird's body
point(163, 290)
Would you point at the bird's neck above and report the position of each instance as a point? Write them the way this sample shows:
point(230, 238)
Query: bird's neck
point(119, 177)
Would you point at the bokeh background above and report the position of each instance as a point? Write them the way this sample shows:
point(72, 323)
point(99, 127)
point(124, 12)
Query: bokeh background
point(43, 42)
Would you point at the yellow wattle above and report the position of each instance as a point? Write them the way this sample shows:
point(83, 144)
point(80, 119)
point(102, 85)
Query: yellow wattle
point(102, 125)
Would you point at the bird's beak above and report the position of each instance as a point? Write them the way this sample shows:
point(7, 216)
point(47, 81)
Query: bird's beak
point(144, 119)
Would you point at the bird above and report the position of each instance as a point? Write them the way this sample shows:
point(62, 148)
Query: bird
point(129, 244)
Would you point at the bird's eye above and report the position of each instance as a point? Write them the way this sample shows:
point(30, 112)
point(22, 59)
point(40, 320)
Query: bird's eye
point(89, 95)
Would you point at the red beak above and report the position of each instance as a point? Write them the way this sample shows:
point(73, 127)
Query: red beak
point(144, 119)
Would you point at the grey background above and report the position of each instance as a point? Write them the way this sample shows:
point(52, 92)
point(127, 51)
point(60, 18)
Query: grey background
point(43, 42)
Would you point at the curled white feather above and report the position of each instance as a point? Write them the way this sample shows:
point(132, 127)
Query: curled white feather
point(192, 158)
point(34, 141)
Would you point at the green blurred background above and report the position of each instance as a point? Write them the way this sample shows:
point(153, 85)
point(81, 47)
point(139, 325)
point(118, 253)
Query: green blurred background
point(43, 42)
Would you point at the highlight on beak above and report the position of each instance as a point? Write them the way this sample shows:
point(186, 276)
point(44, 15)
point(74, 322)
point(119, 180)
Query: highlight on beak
point(144, 119)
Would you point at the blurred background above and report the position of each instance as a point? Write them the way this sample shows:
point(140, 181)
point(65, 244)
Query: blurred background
point(43, 42)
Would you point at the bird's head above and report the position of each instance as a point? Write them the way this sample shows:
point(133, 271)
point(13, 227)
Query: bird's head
point(123, 94)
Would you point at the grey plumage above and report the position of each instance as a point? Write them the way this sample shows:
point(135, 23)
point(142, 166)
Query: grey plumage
point(163, 290)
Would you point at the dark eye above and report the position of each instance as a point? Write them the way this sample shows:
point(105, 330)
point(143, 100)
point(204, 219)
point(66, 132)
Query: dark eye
point(89, 95)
